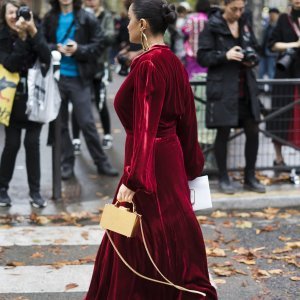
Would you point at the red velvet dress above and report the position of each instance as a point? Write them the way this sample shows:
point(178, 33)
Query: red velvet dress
point(156, 107)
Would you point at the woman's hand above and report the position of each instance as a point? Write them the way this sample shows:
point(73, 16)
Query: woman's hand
point(26, 27)
point(235, 53)
point(21, 28)
point(31, 28)
point(125, 194)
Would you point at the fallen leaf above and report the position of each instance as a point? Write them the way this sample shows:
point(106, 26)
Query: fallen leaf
point(201, 218)
point(246, 261)
point(15, 264)
point(215, 252)
point(219, 281)
point(241, 215)
point(219, 214)
point(85, 235)
point(293, 245)
point(71, 286)
point(263, 273)
point(223, 272)
point(293, 212)
point(88, 259)
point(281, 250)
point(37, 255)
point(283, 215)
point(60, 241)
point(295, 278)
point(268, 228)
point(284, 238)
point(243, 224)
point(275, 272)
point(271, 210)
point(258, 214)
point(5, 227)
point(241, 251)
point(241, 272)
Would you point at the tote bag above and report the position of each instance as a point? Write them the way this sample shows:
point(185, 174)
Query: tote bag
point(8, 87)
point(44, 99)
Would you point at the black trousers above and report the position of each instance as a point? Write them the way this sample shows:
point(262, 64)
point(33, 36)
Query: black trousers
point(72, 89)
point(251, 129)
point(32, 150)
point(98, 86)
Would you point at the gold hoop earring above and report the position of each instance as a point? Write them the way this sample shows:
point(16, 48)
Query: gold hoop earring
point(144, 41)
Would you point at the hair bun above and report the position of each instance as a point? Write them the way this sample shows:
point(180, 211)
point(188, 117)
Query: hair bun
point(169, 13)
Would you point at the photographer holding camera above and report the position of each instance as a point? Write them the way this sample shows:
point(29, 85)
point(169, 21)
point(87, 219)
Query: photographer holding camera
point(285, 40)
point(227, 47)
point(21, 44)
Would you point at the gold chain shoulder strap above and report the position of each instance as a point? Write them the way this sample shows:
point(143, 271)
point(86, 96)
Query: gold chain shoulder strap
point(166, 282)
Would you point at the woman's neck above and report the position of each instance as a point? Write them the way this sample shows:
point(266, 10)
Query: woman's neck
point(98, 11)
point(156, 40)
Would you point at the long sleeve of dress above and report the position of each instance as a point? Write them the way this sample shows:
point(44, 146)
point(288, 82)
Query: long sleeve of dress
point(188, 136)
point(149, 95)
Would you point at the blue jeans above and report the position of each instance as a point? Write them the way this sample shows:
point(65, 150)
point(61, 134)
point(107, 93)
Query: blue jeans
point(267, 66)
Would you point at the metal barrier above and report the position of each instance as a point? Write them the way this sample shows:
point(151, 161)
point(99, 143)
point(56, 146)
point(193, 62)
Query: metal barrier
point(280, 107)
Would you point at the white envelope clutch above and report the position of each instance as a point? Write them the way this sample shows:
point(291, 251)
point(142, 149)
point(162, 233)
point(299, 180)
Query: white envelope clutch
point(200, 193)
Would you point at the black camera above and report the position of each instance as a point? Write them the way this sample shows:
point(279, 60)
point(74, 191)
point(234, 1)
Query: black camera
point(250, 55)
point(24, 11)
point(285, 61)
point(124, 63)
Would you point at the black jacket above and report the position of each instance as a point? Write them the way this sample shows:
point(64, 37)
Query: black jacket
point(88, 35)
point(18, 56)
point(284, 32)
point(223, 75)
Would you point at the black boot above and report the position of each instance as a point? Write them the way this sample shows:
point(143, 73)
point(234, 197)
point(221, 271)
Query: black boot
point(252, 184)
point(107, 169)
point(4, 198)
point(225, 185)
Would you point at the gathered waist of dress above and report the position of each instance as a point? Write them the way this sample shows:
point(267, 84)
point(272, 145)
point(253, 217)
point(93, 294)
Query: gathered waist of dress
point(161, 133)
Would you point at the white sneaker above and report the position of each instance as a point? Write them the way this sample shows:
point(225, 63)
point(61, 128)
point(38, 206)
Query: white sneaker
point(76, 146)
point(107, 141)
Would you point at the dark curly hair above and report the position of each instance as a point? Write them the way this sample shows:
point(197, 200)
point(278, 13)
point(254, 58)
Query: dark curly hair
point(16, 3)
point(158, 13)
point(55, 5)
point(202, 6)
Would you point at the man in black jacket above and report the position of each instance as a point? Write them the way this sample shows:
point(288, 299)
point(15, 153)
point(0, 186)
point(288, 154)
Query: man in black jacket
point(76, 34)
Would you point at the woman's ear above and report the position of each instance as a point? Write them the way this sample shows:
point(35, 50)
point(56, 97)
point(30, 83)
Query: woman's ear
point(143, 24)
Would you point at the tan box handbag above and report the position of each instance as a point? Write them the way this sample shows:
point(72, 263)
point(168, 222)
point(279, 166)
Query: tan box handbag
point(120, 219)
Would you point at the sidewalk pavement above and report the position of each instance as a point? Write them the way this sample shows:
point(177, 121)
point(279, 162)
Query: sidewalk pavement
point(89, 192)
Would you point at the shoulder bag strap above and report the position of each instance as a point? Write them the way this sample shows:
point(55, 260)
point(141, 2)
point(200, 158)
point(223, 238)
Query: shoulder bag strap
point(67, 32)
point(294, 26)
point(166, 282)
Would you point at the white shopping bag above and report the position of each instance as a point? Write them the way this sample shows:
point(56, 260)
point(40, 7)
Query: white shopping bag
point(44, 99)
point(200, 193)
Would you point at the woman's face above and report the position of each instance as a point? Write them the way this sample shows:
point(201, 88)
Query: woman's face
point(234, 10)
point(296, 4)
point(134, 27)
point(94, 4)
point(11, 16)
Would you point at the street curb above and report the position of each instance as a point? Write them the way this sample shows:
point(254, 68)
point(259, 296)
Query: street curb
point(250, 200)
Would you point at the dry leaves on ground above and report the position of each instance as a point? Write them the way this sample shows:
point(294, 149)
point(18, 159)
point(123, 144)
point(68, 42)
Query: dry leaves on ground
point(71, 286)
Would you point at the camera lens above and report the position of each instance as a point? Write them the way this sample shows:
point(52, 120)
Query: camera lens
point(24, 11)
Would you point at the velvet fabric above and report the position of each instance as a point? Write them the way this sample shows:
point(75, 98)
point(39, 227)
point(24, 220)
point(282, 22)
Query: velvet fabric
point(156, 107)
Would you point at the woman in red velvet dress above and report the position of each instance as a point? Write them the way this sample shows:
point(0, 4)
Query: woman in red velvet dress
point(156, 107)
